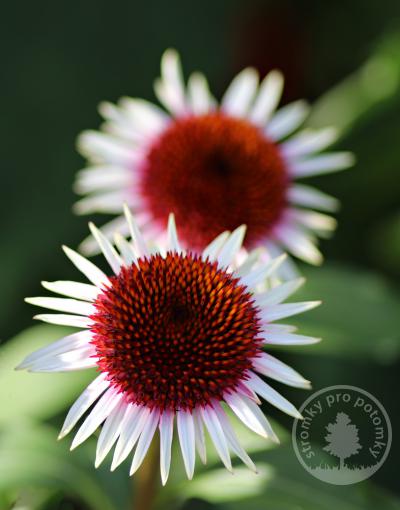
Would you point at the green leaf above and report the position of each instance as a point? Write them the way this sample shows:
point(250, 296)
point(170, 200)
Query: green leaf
point(358, 317)
point(30, 457)
point(24, 394)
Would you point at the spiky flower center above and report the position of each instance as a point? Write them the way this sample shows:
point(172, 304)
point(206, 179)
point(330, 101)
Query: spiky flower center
point(215, 173)
point(175, 332)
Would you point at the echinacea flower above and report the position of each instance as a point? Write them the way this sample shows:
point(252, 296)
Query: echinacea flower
point(172, 335)
point(215, 166)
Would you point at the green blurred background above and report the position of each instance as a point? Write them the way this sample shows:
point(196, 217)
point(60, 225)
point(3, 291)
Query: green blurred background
point(59, 60)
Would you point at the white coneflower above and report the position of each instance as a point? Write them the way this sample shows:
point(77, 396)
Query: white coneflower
point(173, 335)
point(216, 166)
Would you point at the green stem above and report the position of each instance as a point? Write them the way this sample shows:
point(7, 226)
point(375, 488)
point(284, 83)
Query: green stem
point(146, 480)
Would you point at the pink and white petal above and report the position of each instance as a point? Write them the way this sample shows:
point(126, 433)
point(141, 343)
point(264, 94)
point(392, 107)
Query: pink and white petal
point(200, 439)
point(170, 88)
point(231, 437)
point(98, 414)
point(288, 339)
point(309, 142)
point(110, 431)
point(145, 440)
point(75, 321)
point(275, 369)
point(287, 119)
point(76, 290)
point(199, 96)
point(186, 436)
point(63, 305)
point(137, 238)
point(130, 432)
point(248, 262)
point(288, 270)
point(107, 248)
point(147, 118)
point(307, 196)
point(299, 243)
point(108, 202)
point(267, 99)
point(166, 427)
point(212, 250)
point(89, 245)
point(261, 273)
point(270, 395)
point(312, 220)
point(240, 94)
point(80, 358)
point(103, 148)
point(173, 241)
point(231, 247)
point(102, 178)
point(279, 293)
point(275, 312)
point(92, 272)
point(82, 404)
point(249, 413)
point(65, 344)
point(324, 164)
point(217, 435)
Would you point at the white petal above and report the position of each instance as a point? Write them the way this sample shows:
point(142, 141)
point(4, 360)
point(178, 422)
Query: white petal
point(248, 263)
point(200, 439)
point(186, 435)
point(231, 436)
point(166, 432)
point(275, 369)
point(276, 312)
point(199, 95)
point(107, 202)
point(108, 250)
point(279, 328)
point(79, 359)
point(65, 344)
point(213, 249)
point(110, 432)
point(76, 321)
point(92, 272)
point(323, 164)
point(82, 404)
point(63, 305)
point(240, 93)
point(137, 237)
point(173, 241)
point(231, 247)
point(100, 147)
point(299, 243)
point(76, 290)
point(217, 435)
point(170, 88)
point(279, 293)
point(307, 196)
point(287, 119)
point(313, 220)
point(145, 117)
point(126, 249)
point(98, 414)
point(272, 396)
point(288, 339)
point(145, 440)
point(250, 414)
point(308, 142)
point(102, 178)
point(89, 245)
point(267, 99)
point(130, 431)
point(288, 270)
point(261, 273)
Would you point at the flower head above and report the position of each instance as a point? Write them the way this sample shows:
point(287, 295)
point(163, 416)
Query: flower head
point(172, 335)
point(215, 166)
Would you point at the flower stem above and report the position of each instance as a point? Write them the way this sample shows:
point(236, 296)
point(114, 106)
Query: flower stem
point(146, 480)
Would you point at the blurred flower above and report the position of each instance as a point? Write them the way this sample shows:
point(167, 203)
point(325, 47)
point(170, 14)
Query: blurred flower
point(215, 166)
point(172, 334)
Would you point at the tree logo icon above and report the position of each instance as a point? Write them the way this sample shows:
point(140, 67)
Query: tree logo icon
point(342, 438)
point(344, 435)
